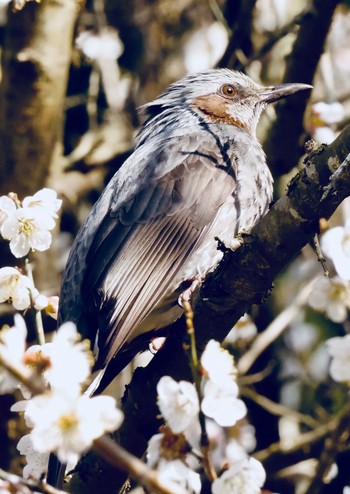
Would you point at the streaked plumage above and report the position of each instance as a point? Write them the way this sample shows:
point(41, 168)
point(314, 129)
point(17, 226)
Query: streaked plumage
point(197, 172)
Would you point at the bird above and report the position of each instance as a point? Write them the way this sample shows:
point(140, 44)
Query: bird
point(197, 173)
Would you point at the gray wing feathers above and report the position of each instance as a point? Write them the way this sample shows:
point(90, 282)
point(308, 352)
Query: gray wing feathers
point(162, 236)
point(150, 218)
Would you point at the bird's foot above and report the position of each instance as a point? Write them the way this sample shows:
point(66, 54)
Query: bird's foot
point(186, 295)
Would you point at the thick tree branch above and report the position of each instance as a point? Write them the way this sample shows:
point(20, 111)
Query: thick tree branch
point(241, 38)
point(283, 147)
point(243, 278)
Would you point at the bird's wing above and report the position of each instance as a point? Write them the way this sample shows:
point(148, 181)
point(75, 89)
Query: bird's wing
point(141, 243)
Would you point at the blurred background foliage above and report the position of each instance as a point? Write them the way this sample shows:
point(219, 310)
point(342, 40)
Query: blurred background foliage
point(116, 57)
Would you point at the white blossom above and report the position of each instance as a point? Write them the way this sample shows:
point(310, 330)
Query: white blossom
point(36, 462)
point(176, 474)
point(168, 454)
point(47, 303)
point(335, 244)
point(67, 425)
point(225, 445)
point(27, 229)
point(52, 307)
point(331, 296)
point(243, 477)
point(222, 404)
point(346, 490)
point(68, 359)
point(12, 347)
point(323, 116)
point(16, 288)
point(339, 350)
point(44, 202)
point(106, 44)
point(218, 363)
point(5, 487)
point(178, 403)
point(7, 208)
point(41, 302)
point(244, 330)
point(153, 453)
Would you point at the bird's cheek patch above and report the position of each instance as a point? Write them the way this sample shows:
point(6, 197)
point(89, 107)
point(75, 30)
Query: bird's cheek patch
point(215, 108)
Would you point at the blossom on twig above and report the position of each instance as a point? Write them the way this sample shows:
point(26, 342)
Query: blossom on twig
point(331, 296)
point(44, 202)
point(217, 363)
point(220, 391)
point(178, 403)
point(170, 454)
point(68, 425)
point(69, 360)
point(28, 227)
point(221, 403)
point(243, 477)
point(36, 462)
point(16, 288)
point(335, 244)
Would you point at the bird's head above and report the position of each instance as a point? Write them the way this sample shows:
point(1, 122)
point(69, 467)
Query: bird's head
point(222, 96)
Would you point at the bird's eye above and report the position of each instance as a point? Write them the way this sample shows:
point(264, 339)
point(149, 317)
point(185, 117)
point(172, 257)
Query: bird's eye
point(228, 90)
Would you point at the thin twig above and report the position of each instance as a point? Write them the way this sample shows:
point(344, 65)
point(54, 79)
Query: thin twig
point(39, 327)
point(328, 456)
point(274, 330)
point(320, 257)
point(122, 459)
point(302, 441)
point(278, 409)
point(33, 382)
point(19, 482)
point(277, 35)
point(217, 12)
point(194, 363)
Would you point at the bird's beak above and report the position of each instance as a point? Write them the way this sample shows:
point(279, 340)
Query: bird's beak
point(270, 94)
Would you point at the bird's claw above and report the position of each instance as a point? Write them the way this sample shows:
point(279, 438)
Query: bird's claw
point(186, 295)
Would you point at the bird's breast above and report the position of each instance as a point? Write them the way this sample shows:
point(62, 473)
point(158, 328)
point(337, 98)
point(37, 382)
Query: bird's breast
point(239, 212)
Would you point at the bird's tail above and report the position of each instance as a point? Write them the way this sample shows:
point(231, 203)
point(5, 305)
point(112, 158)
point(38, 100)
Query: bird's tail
point(55, 472)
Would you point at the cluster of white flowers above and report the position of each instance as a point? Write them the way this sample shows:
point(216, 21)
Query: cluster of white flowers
point(27, 225)
point(336, 246)
point(332, 295)
point(180, 406)
point(62, 419)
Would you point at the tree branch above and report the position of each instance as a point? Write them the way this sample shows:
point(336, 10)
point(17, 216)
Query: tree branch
point(241, 39)
point(283, 148)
